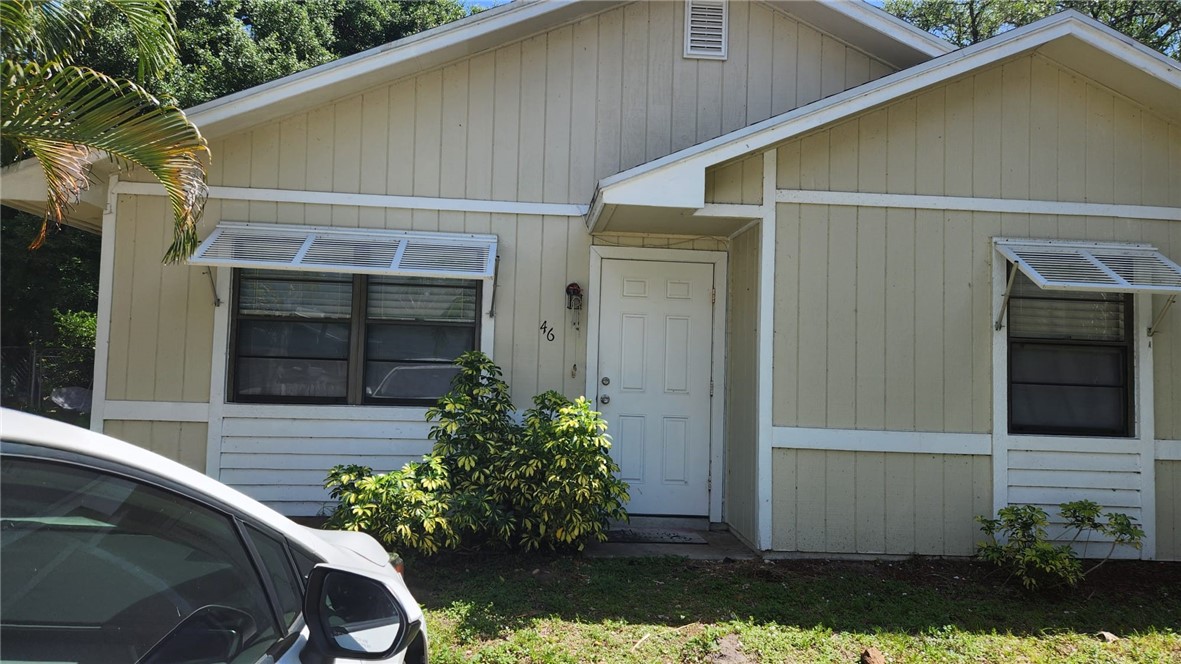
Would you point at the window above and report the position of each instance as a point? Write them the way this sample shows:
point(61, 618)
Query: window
point(100, 568)
point(1070, 361)
point(315, 337)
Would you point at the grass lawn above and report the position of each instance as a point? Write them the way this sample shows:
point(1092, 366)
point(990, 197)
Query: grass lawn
point(572, 609)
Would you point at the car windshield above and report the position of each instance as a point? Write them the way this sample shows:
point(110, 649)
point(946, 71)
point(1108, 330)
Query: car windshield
point(99, 568)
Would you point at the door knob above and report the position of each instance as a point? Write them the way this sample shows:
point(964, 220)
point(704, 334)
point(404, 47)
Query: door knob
point(605, 399)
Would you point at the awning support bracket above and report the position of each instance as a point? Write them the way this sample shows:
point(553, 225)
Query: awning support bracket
point(1160, 315)
point(495, 279)
point(1000, 319)
point(213, 287)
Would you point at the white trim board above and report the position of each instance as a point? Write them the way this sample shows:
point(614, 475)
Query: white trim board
point(975, 204)
point(106, 284)
point(764, 477)
point(157, 411)
point(717, 469)
point(1168, 450)
point(367, 200)
point(863, 440)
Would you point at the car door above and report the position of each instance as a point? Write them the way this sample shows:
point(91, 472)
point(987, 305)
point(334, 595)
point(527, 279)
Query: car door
point(102, 567)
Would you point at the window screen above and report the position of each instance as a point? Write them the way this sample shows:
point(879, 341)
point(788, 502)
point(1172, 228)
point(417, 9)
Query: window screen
point(1070, 361)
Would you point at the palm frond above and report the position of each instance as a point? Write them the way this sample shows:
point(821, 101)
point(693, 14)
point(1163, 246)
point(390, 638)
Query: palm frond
point(64, 116)
point(151, 21)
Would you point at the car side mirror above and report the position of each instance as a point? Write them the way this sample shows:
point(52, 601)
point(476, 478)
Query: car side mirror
point(354, 615)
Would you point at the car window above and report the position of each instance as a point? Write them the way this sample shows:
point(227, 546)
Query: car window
point(304, 563)
point(288, 587)
point(101, 568)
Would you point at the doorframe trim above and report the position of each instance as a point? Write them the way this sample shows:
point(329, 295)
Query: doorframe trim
point(717, 457)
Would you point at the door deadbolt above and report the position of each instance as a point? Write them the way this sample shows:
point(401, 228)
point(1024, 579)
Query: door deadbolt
point(605, 381)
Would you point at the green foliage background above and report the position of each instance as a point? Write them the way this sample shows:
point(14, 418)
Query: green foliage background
point(1155, 23)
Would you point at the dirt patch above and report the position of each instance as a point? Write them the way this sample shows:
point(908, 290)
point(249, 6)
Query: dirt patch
point(729, 652)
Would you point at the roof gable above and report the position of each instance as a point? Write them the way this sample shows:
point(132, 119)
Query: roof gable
point(1083, 44)
point(853, 21)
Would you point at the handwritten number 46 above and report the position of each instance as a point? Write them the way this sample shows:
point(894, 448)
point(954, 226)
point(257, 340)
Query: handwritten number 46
point(547, 331)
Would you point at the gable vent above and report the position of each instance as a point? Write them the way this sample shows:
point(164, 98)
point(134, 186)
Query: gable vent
point(705, 29)
point(405, 253)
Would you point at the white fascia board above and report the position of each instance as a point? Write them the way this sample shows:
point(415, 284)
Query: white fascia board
point(891, 26)
point(405, 51)
point(672, 171)
point(684, 188)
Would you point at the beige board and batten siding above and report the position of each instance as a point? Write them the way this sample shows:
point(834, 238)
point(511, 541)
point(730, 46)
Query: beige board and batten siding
point(161, 315)
point(545, 118)
point(181, 441)
point(542, 119)
point(740, 181)
point(1027, 129)
point(742, 439)
point(878, 503)
point(1168, 510)
point(921, 279)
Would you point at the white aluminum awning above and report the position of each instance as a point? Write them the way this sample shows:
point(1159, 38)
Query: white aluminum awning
point(365, 251)
point(1093, 266)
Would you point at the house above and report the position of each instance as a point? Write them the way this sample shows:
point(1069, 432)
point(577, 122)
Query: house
point(845, 287)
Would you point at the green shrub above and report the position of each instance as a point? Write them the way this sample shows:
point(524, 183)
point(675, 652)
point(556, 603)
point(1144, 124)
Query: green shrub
point(1019, 543)
point(489, 481)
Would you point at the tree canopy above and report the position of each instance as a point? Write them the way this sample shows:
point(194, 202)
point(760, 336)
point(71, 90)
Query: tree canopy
point(1155, 23)
point(229, 45)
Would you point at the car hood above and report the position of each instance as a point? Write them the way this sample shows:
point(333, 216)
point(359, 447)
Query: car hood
point(360, 544)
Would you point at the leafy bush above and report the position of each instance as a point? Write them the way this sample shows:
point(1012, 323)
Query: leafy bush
point(1024, 549)
point(490, 481)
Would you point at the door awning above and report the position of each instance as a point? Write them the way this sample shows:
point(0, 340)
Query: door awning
point(366, 251)
point(1093, 266)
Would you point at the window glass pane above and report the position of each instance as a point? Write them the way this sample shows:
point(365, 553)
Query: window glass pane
point(422, 299)
point(272, 338)
point(295, 294)
point(291, 377)
point(1067, 319)
point(98, 568)
point(438, 343)
point(283, 577)
point(1071, 365)
point(399, 380)
point(1066, 409)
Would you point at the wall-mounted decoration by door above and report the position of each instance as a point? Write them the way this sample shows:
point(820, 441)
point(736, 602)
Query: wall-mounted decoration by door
point(574, 303)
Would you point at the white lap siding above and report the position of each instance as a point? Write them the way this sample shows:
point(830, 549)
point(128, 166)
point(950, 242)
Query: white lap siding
point(281, 454)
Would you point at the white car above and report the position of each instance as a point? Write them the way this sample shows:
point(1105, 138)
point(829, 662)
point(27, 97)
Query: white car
point(111, 553)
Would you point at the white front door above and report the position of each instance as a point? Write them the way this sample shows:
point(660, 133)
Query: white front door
point(655, 344)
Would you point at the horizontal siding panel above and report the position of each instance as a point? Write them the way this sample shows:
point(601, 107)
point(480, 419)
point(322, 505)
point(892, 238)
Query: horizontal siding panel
point(325, 446)
point(1074, 479)
point(318, 428)
point(323, 457)
point(305, 478)
point(1115, 499)
point(1021, 459)
point(274, 493)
